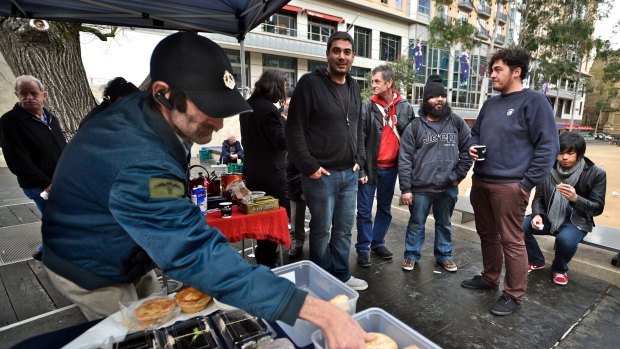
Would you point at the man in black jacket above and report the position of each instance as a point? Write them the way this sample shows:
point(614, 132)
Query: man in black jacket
point(32, 139)
point(325, 140)
point(564, 205)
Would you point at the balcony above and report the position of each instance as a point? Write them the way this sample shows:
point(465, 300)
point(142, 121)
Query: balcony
point(500, 39)
point(482, 33)
point(279, 29)
point(466, 5)
point(484, 10)
point(501, 17)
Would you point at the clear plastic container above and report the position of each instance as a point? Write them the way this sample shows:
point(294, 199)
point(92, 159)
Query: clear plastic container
point(241, 330)
point(319, 283)
point(192, 333)
point(149, 339)
point(379, 320)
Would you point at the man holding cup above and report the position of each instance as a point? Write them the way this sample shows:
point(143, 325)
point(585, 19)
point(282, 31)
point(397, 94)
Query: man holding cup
point(518, 129)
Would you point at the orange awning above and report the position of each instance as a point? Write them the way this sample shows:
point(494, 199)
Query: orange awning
point(324, 16)
point(292, 8)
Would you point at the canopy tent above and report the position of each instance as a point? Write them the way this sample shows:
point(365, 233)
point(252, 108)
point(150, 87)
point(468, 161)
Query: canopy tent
point(228, 17)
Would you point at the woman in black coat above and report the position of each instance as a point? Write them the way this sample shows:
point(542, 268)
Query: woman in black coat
point(262, 137)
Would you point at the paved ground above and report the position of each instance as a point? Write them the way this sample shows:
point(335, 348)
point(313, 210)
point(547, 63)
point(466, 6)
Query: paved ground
point(582, 314)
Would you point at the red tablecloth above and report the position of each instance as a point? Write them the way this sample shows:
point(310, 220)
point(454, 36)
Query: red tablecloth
point(270, 225)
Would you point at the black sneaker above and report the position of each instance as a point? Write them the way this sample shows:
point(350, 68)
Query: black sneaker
point(363, 259)
point(382, 252)
point(295, 252)
point(477, 283)
point(505, 305)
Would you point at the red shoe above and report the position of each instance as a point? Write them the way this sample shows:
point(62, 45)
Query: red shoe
point(560, 278)
point(531, 267)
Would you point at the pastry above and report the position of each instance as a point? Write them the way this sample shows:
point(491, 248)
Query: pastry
point(191, 300)
point(381, 341)
point(154, 310)
point(341, 302)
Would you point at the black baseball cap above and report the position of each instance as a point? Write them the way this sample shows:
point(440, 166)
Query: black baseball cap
point(201, 69)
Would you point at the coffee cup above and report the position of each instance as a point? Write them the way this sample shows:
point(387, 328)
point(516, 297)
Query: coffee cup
point(226, 209)
point(481, 150)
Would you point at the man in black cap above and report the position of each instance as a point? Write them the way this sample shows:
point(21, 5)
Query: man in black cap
point(119, 205)
point(432, 161)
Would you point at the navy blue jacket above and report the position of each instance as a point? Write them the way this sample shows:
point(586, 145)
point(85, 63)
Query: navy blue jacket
point(120, 187)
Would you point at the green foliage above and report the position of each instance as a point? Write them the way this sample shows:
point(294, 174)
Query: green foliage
point(444, 34)
point(404, 74)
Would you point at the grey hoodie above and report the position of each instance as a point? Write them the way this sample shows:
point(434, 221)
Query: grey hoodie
point(428, 161)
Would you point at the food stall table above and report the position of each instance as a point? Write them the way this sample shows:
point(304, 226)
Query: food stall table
point(268, 225)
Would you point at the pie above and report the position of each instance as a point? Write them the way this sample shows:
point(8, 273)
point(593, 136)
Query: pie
point(154, 310)
point(191, 300)
point(381, 341)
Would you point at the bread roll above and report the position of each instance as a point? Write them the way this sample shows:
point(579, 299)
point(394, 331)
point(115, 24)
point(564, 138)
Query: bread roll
point(412, 346)
point(341, 302)
point(381, 341)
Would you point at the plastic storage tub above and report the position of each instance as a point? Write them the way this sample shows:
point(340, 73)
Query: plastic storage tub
point(379, 320)
point(319, 283)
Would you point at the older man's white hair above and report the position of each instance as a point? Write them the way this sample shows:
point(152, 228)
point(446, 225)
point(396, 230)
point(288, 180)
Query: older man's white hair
point(28, 78)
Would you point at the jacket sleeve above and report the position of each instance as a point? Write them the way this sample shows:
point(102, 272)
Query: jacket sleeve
point(366, 132)
point(404, 122)
point(538, 204)
point(17, 157)
point(406, 154)
point(275, 129)
point(175, 235)
point(544, 137)
point(299, 113)
point(593, 203)
point(475, 130)
point(465, 162)
point(239, 150)
point(360, 156)
point(225, 149)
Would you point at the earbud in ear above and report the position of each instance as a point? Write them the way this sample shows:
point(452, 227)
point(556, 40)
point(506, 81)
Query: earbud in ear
point(159, 96)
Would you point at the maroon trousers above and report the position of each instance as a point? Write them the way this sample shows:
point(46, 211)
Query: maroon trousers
point(499, 209)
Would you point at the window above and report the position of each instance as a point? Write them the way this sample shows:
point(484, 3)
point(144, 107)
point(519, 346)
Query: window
point(235, 62)
point(384, 1)
point(319, 29)
point(287, 65)
point(282, 22)
point(399, 4)
point(360, 75)
point(389, 47)
point(463, 17)
point(362, 39)
point(312, 65)
point(424, 7)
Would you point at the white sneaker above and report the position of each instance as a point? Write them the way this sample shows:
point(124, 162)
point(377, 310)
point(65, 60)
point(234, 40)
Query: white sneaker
point(356, 284)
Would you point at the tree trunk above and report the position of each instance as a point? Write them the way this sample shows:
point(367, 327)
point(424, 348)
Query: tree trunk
point(54, 57)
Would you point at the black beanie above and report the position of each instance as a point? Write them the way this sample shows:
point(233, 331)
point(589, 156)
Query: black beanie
point(434, 87)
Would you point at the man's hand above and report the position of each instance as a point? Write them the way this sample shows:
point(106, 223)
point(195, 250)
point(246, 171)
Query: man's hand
point(356, 167)
point(364, 179)
point(537, 222)
point(48, 189)
point(407, 199)
point(473, 153)
point(568, 191)
point(340, 330)
point(321, 171)
point(233, 156)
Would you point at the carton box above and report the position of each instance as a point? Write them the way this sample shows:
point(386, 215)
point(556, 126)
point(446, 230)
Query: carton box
point(262, 204)
point(319, 283)
point(379, 320)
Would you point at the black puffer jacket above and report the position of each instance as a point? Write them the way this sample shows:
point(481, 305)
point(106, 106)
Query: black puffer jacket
point(590, 202)
point(373, 129)
point(30, 147)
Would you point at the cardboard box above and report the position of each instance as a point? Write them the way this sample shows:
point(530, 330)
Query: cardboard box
point(262, 204)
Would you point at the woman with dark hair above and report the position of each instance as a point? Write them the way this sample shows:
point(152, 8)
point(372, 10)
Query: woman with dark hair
point(116, 89)
point(262, 136)
point(564, 205)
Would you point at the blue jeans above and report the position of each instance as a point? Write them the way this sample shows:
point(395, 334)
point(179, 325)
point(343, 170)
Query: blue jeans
point(567, 239)
point(443, 205)
point(34, 194)
point(331, 201)
point(369, 236)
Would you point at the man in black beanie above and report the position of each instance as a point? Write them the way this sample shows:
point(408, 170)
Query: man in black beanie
point(433, 160)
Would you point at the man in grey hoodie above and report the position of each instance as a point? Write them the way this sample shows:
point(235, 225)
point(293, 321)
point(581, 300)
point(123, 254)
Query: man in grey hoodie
point(432, 161)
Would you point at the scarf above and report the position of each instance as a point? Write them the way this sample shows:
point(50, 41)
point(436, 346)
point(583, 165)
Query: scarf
point(558, 204)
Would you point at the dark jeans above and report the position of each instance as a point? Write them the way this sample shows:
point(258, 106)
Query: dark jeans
point(369, 235)
point(567, 239)
point(331, 201)
point(443, 206)
point(500, 209)
point(34, 194)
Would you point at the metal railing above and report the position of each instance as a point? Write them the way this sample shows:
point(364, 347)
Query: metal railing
point(465, 4)
point(484, 10)
point(502, 17)
point(282, 30)
point(500, 39)
point(482, 33)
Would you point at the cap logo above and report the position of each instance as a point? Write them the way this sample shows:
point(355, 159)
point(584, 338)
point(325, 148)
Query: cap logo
point(229, 80)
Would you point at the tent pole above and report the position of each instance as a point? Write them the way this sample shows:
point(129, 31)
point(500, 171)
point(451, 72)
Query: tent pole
point(243, 77)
